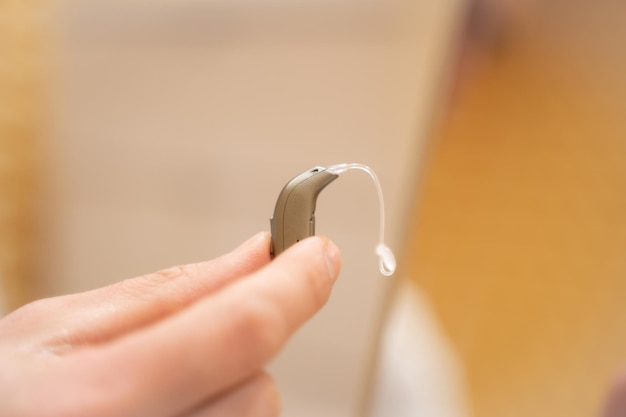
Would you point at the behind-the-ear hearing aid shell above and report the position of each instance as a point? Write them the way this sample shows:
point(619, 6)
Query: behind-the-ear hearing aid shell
point(294, 214)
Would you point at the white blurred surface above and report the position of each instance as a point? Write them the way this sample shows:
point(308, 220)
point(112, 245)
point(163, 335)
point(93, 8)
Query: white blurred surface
point(176, 124)
point(418, 373)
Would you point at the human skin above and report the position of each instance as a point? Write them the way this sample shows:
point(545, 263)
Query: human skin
point(188, 341)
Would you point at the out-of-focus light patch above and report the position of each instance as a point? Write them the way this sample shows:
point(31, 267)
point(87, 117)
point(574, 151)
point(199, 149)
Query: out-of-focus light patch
point(418, 373)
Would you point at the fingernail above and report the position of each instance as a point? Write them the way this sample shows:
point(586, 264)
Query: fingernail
point(333, 259)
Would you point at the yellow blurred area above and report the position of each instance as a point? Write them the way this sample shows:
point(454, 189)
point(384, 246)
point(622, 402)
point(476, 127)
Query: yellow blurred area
point(520, 235)
point(21, 43)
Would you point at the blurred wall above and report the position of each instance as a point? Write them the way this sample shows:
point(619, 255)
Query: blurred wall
point(520, 239)
point(173, 126)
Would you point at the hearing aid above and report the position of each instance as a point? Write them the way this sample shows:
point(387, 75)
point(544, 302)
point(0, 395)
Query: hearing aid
point(294, 213)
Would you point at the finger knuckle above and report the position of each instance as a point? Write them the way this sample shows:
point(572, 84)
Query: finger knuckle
point(261, 325)
point(146, 285)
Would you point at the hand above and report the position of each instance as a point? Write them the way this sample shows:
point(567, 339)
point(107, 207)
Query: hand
point(187, 341)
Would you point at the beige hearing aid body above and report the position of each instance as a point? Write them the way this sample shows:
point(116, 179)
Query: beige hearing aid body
point(294, 213)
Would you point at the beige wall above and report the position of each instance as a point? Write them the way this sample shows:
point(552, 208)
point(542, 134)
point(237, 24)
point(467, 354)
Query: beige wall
point(176, 124)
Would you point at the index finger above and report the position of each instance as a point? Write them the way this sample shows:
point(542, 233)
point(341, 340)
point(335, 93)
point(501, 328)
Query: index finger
point(222, 339)
point(61, 324)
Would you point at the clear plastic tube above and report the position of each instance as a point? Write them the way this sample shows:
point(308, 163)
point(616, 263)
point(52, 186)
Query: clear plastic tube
point(386, 259)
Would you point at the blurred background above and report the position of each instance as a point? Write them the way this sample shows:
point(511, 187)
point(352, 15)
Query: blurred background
point(135, 136)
